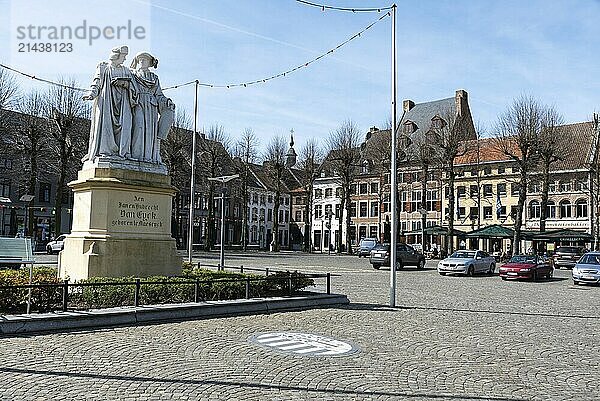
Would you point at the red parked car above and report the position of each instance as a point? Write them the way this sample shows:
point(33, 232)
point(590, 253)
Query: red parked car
point(527, 266)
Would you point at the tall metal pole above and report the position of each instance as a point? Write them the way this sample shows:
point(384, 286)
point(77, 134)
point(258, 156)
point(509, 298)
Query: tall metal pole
point(222, 256)
point(192, 178)
point(393, 183)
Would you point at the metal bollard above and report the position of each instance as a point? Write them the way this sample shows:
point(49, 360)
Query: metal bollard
point(266, 271)
point(65, 299)
point(196, 290)
point(328, 283)
point(136, 294)
point(289, 283)
point(241, 268)
point(247, 287)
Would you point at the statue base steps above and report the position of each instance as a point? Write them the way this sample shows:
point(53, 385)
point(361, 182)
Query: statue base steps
point(121, 226)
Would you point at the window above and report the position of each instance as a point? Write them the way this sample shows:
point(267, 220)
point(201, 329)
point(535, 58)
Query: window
point(565, 209)
point(514, 189)
point(432, 200)
point(262, 214)
point(460, 173)
point(404, 203)
point(501, 170)
point(328, 192)
point(503, 212)
point(270, 215)
point(298, 200)
point(363, 209)
point(254, 214)
point(263, 199)
point(338, 192)
point(461, 191)
point(337, 211)
point(474, 173)
point(287, 201)
point(5, 163)
point(552, 186)
point(5, 189)
point(437, 123)
point(374, 187)
point(386, 207)
point(473, 213)
point(328, 211)
point(254, 198)
point(352, 209)
point(581, 208)
point(270, 197)
point(461, 212)
point(514, 211)
point(287, 216)
point(373, 232)
point(487, 212)
point(534, 187)
point(352, 189)
point(501, 188)
point(44, 195)
point(487, 171)
point(318, 211)
point(298, 216)
point(280, 220)
point(374, 209)
point(318, 193)
point(551, 210)
point(474, 190)
point(409, 127)
point(416, 201)
point(362, 232)
point(534, 210)
point(565, 186)
point(363, 188)
point(487, 190)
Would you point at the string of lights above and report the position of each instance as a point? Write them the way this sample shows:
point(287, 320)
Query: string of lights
point(227, 86)
point(324, 7)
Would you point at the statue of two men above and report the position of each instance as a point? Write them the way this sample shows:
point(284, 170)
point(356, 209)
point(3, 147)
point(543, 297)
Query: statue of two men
point(130, 114)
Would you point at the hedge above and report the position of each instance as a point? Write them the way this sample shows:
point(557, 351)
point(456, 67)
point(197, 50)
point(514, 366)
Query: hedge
point(106, 296)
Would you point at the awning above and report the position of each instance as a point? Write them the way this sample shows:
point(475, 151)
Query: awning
point(436, 230)
point(564, 235)
point(493, 231)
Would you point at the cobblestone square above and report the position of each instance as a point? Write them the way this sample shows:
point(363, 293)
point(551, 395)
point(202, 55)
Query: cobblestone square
point(450, 338)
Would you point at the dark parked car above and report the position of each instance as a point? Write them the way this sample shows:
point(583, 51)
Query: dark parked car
point(365, 246)
point(587, 269)
point(406, 256)
point(567, 256)
point(526, 266)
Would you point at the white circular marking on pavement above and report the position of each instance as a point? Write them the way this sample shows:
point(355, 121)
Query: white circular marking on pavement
point(303, 344)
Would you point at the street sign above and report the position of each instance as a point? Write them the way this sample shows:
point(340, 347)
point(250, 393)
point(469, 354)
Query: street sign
point(26, 198)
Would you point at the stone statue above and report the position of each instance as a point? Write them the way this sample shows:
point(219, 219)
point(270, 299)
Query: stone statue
point(148, 127)
point(114, 93)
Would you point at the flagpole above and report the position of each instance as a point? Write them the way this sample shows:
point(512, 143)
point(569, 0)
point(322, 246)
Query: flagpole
point(394, 186)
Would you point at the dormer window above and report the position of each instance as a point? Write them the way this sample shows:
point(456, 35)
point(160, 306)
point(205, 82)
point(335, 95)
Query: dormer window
point(409, 127)
point(437, 122)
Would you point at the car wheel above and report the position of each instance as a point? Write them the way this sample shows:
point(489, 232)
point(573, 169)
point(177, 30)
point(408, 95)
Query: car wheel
point(376, 266)
point(470, 271)
point(399, 265)
point(550, 274)
point(503, 278)
point(442, 273)
point(575, 282)
point(421, 264)
point(492, 269)
point(49, 250)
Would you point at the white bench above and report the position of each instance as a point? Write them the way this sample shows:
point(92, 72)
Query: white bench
point(16, 251)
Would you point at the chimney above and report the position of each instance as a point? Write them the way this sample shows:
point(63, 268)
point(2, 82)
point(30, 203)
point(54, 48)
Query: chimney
point(460, 99)
point(407, 105)
point(373, 129)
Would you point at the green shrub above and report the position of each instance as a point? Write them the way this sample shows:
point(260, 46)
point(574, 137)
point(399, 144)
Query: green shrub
point(42, 299)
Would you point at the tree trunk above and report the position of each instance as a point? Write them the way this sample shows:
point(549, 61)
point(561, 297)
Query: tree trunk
point(519, 217)
point(210, 232)
point(348, 220)
point(245, 210)
point(450, 237)
point(31, 191)
point(275, 233)
point(62, 176)
point(308, 220)
point(343, 205)
point(544, 195)
point(425, 172)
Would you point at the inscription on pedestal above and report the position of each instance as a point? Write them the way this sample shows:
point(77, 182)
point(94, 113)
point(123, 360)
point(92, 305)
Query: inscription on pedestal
point(137, 213)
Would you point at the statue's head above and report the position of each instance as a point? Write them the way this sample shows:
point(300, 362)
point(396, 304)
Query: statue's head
point(118, 54)
point(144, 60)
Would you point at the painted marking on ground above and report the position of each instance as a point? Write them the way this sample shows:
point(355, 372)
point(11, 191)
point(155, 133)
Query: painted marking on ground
point(304, 344)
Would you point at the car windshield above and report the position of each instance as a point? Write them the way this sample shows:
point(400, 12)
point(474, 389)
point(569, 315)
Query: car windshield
point(382, 247)
point(463, 255)
point(590, 260)
point(367, 242)
point(523, 259)
point(567, 249)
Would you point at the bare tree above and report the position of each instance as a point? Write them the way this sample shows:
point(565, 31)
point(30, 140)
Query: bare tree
point(176, 150)
point(517, 136)
point(29, 143)
point(213, 154)
point(8, 93)
point(67, 146)
point(344, 159)
point(550, 150)
point(378, 152)
point(246, 149)
point(311, 157)
point(275, 158)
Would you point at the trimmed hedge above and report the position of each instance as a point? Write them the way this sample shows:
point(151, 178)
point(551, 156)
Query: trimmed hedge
point(178, 289)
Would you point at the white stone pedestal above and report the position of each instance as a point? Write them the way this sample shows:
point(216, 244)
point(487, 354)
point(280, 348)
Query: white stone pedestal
point(121, 225)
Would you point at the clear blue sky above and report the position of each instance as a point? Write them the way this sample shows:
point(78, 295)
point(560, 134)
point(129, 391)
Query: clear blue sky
point(496, 50)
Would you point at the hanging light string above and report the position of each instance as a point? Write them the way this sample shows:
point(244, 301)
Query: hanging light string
point(228, 86)
point(324, 7)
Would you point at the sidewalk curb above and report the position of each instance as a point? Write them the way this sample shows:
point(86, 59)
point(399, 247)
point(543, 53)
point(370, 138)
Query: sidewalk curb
point(131, 316)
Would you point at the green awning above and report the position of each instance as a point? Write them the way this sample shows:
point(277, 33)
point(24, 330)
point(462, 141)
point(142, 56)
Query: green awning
point(564, 235)
point(493, 231)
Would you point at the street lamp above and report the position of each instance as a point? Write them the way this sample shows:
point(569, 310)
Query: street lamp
point(328, 215)
point(223, 179)
point(192, 178)
point(27, 199)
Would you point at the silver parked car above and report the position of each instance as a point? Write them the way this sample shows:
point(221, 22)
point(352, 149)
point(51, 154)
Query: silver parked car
point(467, 263)
point(56, 245)
point(587, 269)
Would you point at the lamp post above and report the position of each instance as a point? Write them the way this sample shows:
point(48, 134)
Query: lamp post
point(192, 178)
point(223, 179)
point(328, 224)
point(394, 185)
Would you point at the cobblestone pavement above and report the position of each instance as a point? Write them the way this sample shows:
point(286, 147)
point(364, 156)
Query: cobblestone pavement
point(450, 338)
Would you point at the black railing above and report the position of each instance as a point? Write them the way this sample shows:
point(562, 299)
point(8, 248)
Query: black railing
point(287, 287)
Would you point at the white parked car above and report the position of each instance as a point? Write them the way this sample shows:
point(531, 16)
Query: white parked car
point(56, 245)
point(467, 263)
